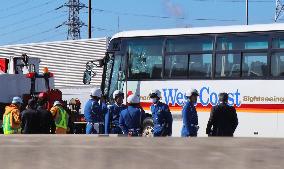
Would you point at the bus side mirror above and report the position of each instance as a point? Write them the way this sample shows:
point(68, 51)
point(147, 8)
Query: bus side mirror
point(87, 77)
point(100, 63)
point(89, 73)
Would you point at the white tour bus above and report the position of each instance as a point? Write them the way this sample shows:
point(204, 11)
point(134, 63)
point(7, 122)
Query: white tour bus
point(245, 61)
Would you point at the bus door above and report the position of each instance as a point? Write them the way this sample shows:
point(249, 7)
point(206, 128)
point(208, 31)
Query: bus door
point(114, 74)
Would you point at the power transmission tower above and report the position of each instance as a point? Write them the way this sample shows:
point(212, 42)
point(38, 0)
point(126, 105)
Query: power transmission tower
point(279, 10)
point(74, 23)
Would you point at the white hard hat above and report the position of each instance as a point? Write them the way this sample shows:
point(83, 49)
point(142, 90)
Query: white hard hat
point(191, 92)
point(17, 100)
point(155, 92)
point(56, 103)
point(117, 93)
point(96, 92)
point(133, 99)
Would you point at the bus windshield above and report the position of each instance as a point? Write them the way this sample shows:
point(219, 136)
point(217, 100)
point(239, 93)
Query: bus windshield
point(145, 58)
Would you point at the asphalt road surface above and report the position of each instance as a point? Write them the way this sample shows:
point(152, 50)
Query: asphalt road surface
point(93, 152)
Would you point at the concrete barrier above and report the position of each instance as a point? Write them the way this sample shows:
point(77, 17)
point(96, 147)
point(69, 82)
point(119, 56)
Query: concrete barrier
point(93, 151)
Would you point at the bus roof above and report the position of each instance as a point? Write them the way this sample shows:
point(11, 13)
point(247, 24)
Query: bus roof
point(202, 30)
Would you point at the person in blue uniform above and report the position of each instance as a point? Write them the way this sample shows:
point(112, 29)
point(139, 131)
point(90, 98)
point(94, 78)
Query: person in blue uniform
point(161, 115)
point(94, 112)
point(113, 114)
point(132, 117)
point(189, 115)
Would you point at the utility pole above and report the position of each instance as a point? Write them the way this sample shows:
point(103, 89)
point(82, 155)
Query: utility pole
point(74, 23)
point(118, 24)
point(247, 14)
point(279, 9)
point(90, 20)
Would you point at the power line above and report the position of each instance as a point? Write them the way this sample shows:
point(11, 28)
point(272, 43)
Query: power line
point(278, 10)
point(28, 9)
point(135, 14)
point(212, 19)
point(52, 36)
point(50, 30)
point(15, 5)
point(101, 29)
point(33, 35)
point(162, 17)
point(30, 26)
point(25, 20)
point(238, 1)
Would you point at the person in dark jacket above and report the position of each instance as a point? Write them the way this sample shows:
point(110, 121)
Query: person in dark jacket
point(46, 122)
point(30, 119)
point(223, 119)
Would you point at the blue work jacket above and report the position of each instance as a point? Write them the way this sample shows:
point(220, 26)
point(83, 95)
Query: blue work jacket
point(162, 119)
point(112, 118)
point(94, 112)
point(131, 118)
point(189, 119)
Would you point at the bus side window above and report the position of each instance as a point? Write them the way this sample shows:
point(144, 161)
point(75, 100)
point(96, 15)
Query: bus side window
point(208, 68)
point(200, 65)
point(281, 70)
point(195, 69)
point(235, 71)
point(277, 64)
point(228, 65)
point(245, 69)
point(176, 66)
point(257, 64)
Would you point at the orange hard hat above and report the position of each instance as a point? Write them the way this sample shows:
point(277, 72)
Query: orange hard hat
point(45, 70)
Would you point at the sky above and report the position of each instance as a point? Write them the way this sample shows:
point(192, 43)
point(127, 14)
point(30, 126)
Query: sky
point(33, 21)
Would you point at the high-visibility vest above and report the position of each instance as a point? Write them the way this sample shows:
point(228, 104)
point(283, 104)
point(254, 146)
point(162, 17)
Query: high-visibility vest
point(7, 125)
point(61, 119)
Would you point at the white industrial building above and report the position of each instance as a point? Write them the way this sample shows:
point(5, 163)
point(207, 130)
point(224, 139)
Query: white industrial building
point(66, 59)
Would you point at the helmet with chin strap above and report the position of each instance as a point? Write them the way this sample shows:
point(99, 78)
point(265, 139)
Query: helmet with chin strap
point(155, 93)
